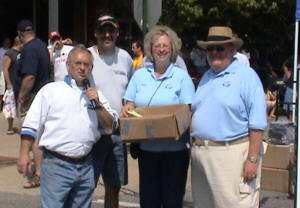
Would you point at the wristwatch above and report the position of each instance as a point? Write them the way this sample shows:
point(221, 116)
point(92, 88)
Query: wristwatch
point(252, 159)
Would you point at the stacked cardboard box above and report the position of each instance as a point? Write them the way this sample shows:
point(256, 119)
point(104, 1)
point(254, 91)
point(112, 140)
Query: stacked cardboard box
point(276, 166)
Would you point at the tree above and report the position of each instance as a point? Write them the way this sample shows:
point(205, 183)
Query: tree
point(260, 23)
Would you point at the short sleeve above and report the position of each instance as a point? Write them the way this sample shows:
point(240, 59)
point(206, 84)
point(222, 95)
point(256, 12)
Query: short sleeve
point(131, 89)
point(29, 62)
point(37, 114)
point(187, 91)
point(254, 99)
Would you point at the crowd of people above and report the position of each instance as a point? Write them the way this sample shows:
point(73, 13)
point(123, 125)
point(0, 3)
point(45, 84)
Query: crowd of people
point(69, 98)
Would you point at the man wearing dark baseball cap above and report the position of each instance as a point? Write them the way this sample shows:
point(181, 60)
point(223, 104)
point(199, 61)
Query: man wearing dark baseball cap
point(24, 25)
point(33, 73)
point(106, 19)
point(112, 70)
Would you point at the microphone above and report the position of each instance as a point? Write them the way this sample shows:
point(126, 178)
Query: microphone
point(86, 84)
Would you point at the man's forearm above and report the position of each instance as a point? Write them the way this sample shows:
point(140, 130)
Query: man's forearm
point(286, 71)
point(26, 86)
point(255, 142)
point(105, 118)
point(5, 67)
point(26, 144)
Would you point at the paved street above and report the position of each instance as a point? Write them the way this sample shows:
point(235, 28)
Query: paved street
point(12, 195)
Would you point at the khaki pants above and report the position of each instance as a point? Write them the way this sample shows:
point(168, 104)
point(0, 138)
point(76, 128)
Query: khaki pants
point(217, 180)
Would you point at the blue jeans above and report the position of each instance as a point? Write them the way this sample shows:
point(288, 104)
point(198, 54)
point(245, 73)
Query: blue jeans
point(110, 160)
point(65, 184)
point(163, 178)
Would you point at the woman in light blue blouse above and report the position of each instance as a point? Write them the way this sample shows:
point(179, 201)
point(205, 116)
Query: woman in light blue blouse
point(163, 165)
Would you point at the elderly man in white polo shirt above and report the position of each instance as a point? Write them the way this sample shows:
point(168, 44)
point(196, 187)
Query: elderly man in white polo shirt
point(61, 117)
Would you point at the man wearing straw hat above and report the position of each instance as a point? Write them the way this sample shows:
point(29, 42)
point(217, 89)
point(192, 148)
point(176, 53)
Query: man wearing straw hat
point(229, 116)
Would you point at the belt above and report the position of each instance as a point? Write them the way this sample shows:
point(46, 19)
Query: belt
point(65, 158)
point(200, 142)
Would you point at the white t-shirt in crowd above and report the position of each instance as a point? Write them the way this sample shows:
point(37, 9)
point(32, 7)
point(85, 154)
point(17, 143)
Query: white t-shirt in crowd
point(60, 62)
point(111, 75)
point(242, 58)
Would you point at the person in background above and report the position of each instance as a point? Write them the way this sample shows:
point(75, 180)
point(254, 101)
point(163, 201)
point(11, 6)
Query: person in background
point(58, 55)
point(137, 51)
point(112, 71)
point(163, 165)
point(62, 120)
point(270, 101)
point(33, 73)
point(228, 120)
point(9, 67)
point(240, 56)
point(198, 57)
point(287, 67)
point(5, 46)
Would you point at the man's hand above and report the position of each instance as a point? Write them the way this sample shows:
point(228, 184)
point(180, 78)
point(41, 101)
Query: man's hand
point(92, 94)
point(67, 41)
point(249, 171)
point(24, 164)
point(54, 45)
point(9, 86)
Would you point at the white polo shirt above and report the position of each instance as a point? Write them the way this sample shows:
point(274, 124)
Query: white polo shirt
point(60, 117)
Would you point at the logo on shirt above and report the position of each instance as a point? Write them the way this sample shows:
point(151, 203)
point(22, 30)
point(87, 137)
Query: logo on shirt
point(227, 84)
point(169, 86)
point(120, 73)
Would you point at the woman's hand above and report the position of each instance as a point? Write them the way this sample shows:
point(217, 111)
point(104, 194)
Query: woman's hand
point(127, 107)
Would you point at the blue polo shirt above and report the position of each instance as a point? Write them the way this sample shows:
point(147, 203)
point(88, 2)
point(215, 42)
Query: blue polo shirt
point(174, 87)
point(228, 104)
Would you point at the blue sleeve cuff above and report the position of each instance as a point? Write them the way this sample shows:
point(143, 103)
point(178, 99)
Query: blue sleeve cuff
point(29, 132)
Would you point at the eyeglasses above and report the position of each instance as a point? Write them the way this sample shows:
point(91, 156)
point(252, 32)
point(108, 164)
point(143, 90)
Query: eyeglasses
point(218, 48)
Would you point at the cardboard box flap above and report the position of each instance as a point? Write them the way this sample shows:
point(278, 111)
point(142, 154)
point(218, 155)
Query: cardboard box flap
point(160, 110)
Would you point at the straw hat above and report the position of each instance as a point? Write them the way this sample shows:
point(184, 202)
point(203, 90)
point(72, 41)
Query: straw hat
point(220, 35)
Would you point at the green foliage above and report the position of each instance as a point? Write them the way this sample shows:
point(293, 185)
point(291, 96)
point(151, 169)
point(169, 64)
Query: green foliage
point(261, 23)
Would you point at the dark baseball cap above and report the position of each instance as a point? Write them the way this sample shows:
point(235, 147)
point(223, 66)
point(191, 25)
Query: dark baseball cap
point(25, 25)
point(106, 19)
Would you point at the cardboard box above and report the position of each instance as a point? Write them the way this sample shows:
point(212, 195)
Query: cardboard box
point(158, 122)
point(278, 156)
point(275, 179)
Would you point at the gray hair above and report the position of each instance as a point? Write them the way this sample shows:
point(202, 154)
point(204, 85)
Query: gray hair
point(158, 31)
point(80, 48)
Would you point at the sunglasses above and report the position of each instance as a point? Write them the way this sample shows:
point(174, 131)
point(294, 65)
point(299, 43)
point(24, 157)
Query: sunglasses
point(108, 29)
point(217, 48)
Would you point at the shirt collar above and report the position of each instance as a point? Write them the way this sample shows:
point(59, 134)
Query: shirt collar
point(228, 70)
point(71, 82)
point(168, 73)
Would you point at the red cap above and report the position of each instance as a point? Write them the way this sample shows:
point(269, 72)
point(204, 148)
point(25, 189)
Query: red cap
point(53, 34)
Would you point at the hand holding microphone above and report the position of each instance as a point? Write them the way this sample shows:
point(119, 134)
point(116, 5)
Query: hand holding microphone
point(91, 94)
